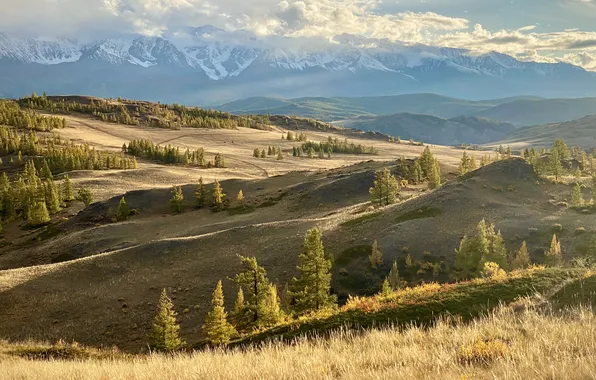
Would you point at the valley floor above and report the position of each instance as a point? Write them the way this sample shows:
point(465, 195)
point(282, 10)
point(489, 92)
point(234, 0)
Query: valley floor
point(516, 342)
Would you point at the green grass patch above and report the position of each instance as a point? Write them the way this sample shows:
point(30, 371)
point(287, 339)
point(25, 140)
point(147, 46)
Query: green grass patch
point(361, 219)
point(421, 213)
point(422, 306)
point(579, 292)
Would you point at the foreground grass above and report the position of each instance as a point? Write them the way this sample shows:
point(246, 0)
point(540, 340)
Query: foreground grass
point(510, 343)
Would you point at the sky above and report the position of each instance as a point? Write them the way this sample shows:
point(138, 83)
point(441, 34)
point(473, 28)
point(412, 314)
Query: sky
point(540, 30)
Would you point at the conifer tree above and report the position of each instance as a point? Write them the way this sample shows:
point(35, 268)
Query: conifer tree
point(522, 258)
point(84, 195)
point(45, 171)
point(165, 334)
point(263, 154)
point(38, 214)
point(393, 276)
point(67, 192)
point(464, 164)
point(200, 194)
point(553, 256)
point(256, 153)
point(376, 256)
point(216, 327)
point(577, 199)
point(240, 199)
point(239, 313)
point(386, 288)
point(122, 212)
point(311, 290)
point(280, 156)
point(311, 153)
point(555, 165)
point(253, 278)
point(385, 190)
point(434, 177)
point(52, 196)
point(177, 200)
point(271, 313)
point(218, 196)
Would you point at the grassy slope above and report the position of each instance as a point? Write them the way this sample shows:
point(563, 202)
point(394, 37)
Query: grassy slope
point(423, 305)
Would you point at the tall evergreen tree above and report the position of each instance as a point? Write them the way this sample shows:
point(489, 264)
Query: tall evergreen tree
point(553, 256)
point(385, 190)
point(52, 196)
point(177, 200)
point(434, 177)
point(239, 312)
point(84, 195)
point(577, 199)
point(216, 327)
point(253, 278)
point(122, 212)
point(165, 334)
point(271, 313)
point(393, 276)
point(386, 288)
point(38, 214)
point(240, 199)
point(591, 252)
point(200, 194)
point(218, 196)
point(376, 256)
point(67, 192)
point(311, 290)
point(522, 258)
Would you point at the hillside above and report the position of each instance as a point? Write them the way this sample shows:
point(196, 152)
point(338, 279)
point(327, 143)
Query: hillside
point(580, 132)
point(527, 112)
point(435, 130)
point(104, 290)
point(332, 109)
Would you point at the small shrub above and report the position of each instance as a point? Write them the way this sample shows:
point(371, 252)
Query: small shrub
point(580, 230)
point(499, 189)
point(511, 188)
point(482, 351)
point(557, 227)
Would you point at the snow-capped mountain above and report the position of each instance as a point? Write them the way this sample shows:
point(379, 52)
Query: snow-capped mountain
point(208, 64)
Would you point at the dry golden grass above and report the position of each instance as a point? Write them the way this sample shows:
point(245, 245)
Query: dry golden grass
point(509, 344)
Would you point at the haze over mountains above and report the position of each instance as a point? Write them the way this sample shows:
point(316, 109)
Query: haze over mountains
point(207, 65)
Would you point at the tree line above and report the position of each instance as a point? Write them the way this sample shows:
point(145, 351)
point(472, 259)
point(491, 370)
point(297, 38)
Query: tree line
point(171, 155)
point(13, 115)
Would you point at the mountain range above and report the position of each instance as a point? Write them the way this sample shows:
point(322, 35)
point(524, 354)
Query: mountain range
point(207, 65)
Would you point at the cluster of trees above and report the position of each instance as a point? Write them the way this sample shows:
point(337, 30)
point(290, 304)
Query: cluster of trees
point(13, 115)
point(385, 190)
point(299, 152)
point(257, 304)
point(333, 145)
point(171, 155)
point(294, 136)
point(132, 112)
point(560, 160)
point(271, 151)
point(424, 169)
point(467, 164)
point(34, 195)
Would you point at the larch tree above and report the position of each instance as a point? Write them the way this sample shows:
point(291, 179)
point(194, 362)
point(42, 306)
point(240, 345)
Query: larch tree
point(577, 199)
point(200, 194)
point(52, 196)
point(84, 195)
point(385, 190)
point(67, 192)
point(393, 276)
point(376, 256)
point(165, 334)
point(218, 196)
point(270, 312)
point(312, 289)
point(253, 279)
point(386, 288)
point(434, 176)
point(123, 211)
point(553, 256)
point(522, 258)
point(217, 328)
point(38, 214)
point(240, 199)
point(177, 200)
point(239, 312)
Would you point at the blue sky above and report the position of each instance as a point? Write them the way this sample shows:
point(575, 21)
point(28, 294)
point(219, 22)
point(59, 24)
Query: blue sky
point(540, 30)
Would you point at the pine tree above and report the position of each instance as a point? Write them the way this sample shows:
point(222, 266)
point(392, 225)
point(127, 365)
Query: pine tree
point(522, 258)
point(393, 277)
point(165, 334)
point(122, 212)
point(270, 312)
point(263, 154)
point(253, 278)
point(52, 196)
point(464, 164)
point(386, 289)
point(311, 153)
point(577, 199)
point(67, 192)
point(216, 327)
point(256, 153)
point(38, 214)
point(376, 256)
point(45, 171)
point(239, 313)
point(553, 256)
point(240, 199)
point(385, 190)
point(280, 156)
point(84, 195)
point(555, 165)
point(311, 290)
point(177, 200)
point(200, 194)
point(218, 196)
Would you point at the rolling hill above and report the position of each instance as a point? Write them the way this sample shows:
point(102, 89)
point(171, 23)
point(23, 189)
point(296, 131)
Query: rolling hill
point(435, 130)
